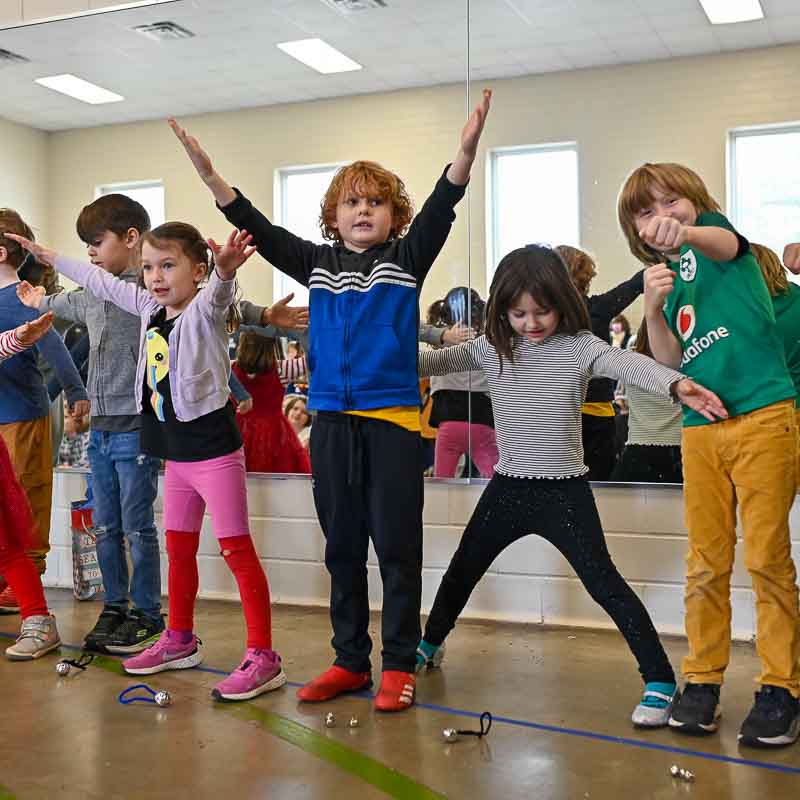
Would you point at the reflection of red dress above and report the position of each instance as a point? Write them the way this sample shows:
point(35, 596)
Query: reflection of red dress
point(16, 519)
point(270, 443)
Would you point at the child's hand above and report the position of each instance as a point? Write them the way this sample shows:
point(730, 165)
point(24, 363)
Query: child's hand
point(700, 399)
point(457, 334)
point(658, 283)
point(664, 234)
point(791, 257)
point(199, 157)
point(30, 333)
point(30, 296)
point(282, 315)
point(471, 134)
point(245, 406)
point(235, 252)
point(80, 408)
point(41, 253)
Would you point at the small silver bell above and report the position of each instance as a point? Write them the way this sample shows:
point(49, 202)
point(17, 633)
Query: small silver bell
point(450, 734)
point(687, 775)
point(353, 722)
point(62, 668)
point(163, 698)
point(330, 720)
point(675, 770)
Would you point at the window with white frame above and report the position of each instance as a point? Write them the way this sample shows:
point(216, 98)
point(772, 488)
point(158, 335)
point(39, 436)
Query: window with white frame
point(149, 193)
point(532, 197)
point(298, 194)
point(764, 184)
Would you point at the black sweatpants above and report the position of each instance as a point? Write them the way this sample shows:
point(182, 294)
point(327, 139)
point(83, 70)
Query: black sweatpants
point(649, 463)
point(368, 484)
point(564, 513)
point(599, 446)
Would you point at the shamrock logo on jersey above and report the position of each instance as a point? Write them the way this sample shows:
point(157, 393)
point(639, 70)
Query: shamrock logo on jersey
point(686, 321)
point(688, 266)
point(157, 369)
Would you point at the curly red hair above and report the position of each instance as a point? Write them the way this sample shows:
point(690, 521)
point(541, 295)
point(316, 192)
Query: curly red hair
point(366, 179)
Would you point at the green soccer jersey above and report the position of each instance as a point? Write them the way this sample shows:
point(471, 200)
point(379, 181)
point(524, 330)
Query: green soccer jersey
point(787, 316)
point(722, 315)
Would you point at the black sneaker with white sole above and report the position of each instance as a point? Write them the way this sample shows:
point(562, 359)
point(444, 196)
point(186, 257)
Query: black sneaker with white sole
point(698, 710)
point(110, 619)
point(774, 719)
point(136, 633)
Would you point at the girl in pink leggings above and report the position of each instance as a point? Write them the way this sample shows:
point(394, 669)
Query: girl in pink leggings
point(462, 410)
point(188, 420)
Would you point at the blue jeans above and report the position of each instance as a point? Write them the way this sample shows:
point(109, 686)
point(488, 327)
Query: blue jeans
point(125, 488)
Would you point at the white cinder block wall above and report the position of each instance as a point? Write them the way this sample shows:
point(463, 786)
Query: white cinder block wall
point(530, 582)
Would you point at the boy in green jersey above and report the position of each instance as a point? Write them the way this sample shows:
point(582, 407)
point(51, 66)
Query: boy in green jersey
point(709, 313)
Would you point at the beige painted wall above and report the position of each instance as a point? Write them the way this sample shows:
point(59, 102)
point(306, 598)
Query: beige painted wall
point(676, 110)
point(24, 165)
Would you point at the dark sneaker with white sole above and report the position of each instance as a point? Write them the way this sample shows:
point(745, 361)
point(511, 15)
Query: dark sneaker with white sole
point(110, 619)
point(698, 710)
point(774, 719)
point(136, 633)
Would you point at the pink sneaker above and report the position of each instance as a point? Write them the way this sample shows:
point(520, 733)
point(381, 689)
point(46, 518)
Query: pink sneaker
point(260, 672)
point(166, 653)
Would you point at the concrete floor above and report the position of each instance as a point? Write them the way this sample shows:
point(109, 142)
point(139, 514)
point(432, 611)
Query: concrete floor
point(561, 699)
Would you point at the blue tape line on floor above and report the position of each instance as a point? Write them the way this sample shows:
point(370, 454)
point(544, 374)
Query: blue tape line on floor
point(521, 723)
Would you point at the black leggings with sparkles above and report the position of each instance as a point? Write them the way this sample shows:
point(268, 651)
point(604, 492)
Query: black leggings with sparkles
point(564, 513)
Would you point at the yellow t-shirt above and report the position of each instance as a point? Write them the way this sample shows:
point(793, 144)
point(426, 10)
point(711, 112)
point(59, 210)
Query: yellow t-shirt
point(598, 409)
point(405, 416)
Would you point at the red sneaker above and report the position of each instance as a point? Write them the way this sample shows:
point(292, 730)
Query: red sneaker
point(397, 691)
point(333, 682)
point(8, 602)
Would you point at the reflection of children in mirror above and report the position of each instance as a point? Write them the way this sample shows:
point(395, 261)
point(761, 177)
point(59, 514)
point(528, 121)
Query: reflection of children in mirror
point(270, 442)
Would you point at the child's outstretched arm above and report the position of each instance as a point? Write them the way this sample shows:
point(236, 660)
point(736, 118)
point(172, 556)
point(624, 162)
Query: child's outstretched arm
point(668, 235)
point(280, 315)
point(284, 250)
point(459, 170)
point(25, 336)
point(128, 296)
point(658, 283)
point(458, 358)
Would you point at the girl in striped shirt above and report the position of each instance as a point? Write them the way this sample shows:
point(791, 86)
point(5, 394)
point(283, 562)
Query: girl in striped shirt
point(538, 355)
point(38, 634)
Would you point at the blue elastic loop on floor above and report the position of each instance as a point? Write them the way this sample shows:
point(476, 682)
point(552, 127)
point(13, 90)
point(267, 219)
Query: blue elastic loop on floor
point(128, 700)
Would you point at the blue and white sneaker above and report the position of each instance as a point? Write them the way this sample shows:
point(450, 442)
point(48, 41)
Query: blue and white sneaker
point(429, 656)
point(656, 705)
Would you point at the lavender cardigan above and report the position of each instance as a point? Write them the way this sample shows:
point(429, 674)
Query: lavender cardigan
point(198, 344)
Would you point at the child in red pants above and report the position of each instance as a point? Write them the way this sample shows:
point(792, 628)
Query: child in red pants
point(38, 635)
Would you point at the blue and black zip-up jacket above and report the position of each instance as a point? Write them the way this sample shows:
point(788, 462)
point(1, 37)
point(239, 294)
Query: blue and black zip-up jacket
point(364, 307)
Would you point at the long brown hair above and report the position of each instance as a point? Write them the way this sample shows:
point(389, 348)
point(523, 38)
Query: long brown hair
point(642, 343)
point(771, 268)
point(257, 354)
point(637, 194)
point(580, 264)
point(196, 249)
point(539, 271)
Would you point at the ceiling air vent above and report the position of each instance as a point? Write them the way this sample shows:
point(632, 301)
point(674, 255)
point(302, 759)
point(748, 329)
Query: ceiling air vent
point(7, 58)
point(163, 31)
point(348, 7)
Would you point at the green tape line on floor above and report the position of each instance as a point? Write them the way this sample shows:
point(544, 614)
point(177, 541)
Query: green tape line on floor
point(5, 794)
point(388, 780)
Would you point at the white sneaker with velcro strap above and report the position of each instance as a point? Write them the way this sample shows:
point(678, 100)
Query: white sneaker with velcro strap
point(655, 707)
point(37, 637)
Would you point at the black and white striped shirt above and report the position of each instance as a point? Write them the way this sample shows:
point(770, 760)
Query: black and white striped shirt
point(537, 398)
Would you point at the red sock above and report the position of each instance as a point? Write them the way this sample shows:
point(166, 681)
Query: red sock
point(24, 580)
point(183, 580)
point(240, 556)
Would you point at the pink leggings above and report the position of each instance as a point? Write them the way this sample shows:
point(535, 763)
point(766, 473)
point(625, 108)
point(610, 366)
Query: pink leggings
point(455, 439)
point(220, 483)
